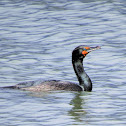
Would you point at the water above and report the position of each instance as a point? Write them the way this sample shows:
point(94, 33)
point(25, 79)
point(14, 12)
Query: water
point(36, 40)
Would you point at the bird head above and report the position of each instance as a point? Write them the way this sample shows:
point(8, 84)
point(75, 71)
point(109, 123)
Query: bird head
point(81, 51)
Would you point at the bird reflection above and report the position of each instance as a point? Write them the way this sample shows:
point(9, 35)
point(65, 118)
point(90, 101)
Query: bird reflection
point(77, 112)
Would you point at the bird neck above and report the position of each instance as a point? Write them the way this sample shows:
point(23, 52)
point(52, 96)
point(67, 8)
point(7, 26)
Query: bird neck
point(83, 78)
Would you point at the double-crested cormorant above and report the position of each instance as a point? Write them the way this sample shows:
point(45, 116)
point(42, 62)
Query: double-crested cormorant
point(85, 83)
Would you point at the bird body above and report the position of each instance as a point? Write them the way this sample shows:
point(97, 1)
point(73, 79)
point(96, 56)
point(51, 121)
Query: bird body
point(85, 83)
point(49, 86)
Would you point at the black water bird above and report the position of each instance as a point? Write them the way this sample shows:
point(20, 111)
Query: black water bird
point(85, 83)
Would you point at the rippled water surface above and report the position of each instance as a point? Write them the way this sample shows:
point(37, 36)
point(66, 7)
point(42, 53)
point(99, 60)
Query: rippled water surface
point(36, 41)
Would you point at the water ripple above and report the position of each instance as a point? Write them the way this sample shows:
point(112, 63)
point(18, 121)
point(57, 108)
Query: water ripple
point(36, 41)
